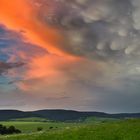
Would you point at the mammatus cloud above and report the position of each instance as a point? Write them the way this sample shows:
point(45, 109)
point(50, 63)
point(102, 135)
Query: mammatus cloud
point(99, 29)
point(86, 50)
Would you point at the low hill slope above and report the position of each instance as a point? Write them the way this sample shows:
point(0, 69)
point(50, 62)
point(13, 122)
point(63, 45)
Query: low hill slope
point(61, 115)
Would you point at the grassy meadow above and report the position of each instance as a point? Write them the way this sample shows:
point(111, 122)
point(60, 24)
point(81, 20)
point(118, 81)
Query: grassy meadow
point(91, 129)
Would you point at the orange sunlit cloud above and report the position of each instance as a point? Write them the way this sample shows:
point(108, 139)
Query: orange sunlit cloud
point(20, 15)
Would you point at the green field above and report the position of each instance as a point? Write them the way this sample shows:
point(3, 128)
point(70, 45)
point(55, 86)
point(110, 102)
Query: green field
point(89, 130)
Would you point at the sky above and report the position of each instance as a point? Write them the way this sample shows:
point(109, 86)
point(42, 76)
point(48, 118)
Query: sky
point(70, 54)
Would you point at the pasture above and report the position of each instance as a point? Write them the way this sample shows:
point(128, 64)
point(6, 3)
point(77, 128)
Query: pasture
point(128, 129)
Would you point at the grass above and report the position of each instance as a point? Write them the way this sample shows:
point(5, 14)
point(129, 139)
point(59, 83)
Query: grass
point(99, 120)
point(110, 130)
point(30, 127)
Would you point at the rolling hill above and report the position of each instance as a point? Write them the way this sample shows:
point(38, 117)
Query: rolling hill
point(61, 115)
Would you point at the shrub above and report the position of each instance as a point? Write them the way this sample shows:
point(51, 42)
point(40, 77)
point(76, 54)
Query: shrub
point(51, 127)
point(39, 129)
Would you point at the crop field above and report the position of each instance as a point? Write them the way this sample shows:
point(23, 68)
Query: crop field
point(101, 130)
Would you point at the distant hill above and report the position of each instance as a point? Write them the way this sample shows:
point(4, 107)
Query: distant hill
point(61, 115)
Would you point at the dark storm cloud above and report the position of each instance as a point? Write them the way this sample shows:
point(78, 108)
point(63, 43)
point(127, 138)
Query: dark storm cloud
point(6, 66)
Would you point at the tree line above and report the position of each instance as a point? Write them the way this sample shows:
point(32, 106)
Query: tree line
point(8, 130)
